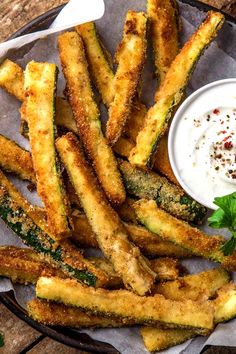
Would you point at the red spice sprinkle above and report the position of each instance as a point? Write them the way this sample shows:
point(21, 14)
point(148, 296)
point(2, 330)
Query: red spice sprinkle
point(228, 145)
point(223, 131)
point(227, 137)
point(216, 111)
point(222, 122)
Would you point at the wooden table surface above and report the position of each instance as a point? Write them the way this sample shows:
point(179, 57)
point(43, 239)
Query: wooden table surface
point(19, 337)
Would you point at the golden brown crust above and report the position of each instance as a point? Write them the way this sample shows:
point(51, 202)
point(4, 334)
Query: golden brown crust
point(145, 309)
point(171, 91)
point(100, 68)
point(25, 266)
point(130, 57)
point(110, 232)
point(196, 287)
point(86, 114)
point(12, 79)
point(53, 314)
point(163, 18)
point(162, 162)
point(15, 159)
point(70, 257)
point(171, 229)
point(148, 243)
point(40, 85)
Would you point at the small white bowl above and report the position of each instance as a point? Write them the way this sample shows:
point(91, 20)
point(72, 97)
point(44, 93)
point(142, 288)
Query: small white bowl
point(220, 93)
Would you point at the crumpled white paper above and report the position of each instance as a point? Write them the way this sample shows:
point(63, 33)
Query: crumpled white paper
point(218, 62)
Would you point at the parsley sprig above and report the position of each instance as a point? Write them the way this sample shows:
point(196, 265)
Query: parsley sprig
point(225, 217)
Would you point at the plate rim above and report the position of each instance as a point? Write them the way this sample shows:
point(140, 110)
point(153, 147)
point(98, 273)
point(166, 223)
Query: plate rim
point(81, 340)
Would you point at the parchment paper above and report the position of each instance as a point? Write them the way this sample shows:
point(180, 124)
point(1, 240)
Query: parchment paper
point(219, 62)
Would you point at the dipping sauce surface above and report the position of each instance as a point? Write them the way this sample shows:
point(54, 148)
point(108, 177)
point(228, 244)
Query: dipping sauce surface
point(203, 147)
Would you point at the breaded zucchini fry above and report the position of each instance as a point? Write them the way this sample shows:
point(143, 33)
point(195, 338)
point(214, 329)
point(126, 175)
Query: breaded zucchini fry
point(40, 85)
point(22, 218)
point(82, 233)
point(166, 268)
point(225, 303)
point(171, 229)
point(171, 90)
point(53, 314)
point(15, 159)
point(64, 116)
point(162, 163)
point(86, 113)
point(164, 23)
point(152, 246)
point(100, 68)
point(156, 339)
point(111, 235)
point(24, 266)
point(148, 243)
point(196, 287)
point(173, 199)
point(12, 78)
point(103, 77)
point(130, 57)
point(151, 309)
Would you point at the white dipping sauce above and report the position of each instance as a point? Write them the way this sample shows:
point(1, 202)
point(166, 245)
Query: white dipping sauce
point(202, 142)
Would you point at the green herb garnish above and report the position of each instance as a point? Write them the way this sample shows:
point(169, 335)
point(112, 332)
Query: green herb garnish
point(225, 217)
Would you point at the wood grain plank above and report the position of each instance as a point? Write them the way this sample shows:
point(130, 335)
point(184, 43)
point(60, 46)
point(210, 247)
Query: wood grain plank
point(17, 334)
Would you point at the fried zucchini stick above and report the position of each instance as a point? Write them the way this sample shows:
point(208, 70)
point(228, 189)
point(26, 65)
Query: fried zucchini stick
point(15, 159)
point(24, 266)
point(103, 77)
point(86, 113)
point(163, 19)
point(150, 309)
point(171, 90)
point(51, 313)
point(148, 243)
point(111, 234)
point(149, 185)
point(156, 339)
point(100, 68)
point(82, 233)
point(196, 287)
point(22, 218)
point(130, 57)
point(40, 85)
point(171, 229)
point(12, 79)
point(162, 162)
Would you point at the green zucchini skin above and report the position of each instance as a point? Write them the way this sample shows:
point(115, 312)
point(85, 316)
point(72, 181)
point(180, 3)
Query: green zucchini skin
point(149, 185)
point(18, 221)
point(171, 91)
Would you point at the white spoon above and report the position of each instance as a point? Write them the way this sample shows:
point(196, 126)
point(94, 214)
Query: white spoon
point(74, 13)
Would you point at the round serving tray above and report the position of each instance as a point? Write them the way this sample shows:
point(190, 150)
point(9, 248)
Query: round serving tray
point(64, 335)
